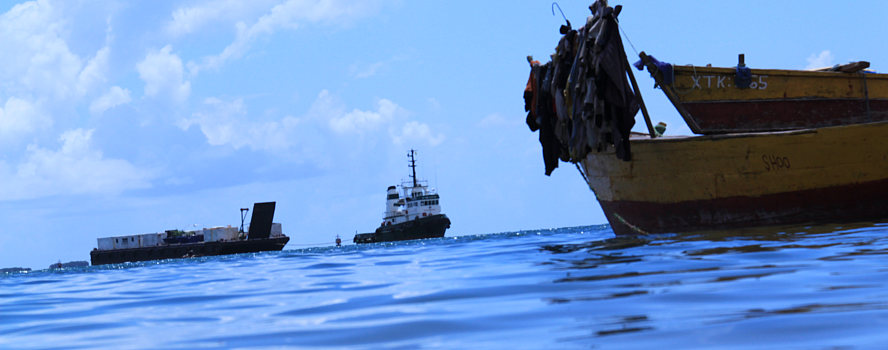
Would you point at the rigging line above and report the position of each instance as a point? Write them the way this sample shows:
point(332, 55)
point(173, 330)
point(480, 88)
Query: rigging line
point(627, 39)
point(581, 172)
point(626, 35)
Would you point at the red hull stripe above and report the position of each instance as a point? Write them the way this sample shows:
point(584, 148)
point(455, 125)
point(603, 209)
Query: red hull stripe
point(775, 115)
point(849, 203)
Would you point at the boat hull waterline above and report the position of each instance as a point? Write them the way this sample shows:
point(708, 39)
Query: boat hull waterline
point(684, 184)
point(432, 226)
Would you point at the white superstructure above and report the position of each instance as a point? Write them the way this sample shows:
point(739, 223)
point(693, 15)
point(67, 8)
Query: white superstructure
point(414, 199)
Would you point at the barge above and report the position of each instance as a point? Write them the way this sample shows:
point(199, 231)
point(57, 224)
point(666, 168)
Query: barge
point(263, 235)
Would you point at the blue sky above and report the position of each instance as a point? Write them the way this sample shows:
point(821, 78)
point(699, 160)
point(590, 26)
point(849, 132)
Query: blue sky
point(135, 117)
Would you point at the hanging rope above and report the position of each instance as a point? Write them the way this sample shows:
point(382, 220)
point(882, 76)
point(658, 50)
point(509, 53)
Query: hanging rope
point(631, 226)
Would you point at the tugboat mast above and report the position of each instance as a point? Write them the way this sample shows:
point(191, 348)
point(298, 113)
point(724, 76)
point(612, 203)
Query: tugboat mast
point(412, 164)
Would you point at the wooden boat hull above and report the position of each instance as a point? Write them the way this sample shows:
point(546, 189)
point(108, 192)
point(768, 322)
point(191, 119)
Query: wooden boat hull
point(778, 99)
point(824, 175)
point(176, 251)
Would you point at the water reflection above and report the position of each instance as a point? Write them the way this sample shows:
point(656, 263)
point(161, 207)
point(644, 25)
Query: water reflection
point(641, 286)
point(800, 309)
point(627, 324)
point(793, 287)
point(780, 233)
point(619, 242)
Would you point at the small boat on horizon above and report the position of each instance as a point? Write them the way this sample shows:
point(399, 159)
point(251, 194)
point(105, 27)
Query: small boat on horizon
point(412, 213)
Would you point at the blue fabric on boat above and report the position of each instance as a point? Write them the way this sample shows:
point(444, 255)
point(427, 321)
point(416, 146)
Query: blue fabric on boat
point(743, 78)
point(666, 68)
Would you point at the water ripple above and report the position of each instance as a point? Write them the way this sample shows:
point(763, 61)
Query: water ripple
point(576, 287)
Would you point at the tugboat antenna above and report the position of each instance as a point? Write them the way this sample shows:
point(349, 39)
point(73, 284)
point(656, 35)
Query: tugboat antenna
point(412, 165)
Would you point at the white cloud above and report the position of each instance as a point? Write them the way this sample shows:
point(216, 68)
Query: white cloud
point(19, 117)
point(36, 57)
point(225, 123)
point(366, 122)
point(114, 97)
point(287, 15)
point(413, 132)
point(75, 168)
point(187, 20)
point(325, 105)
point(358, 121)
point(163, 73)
point(821, 60)
point(365, 71)
point(95, 71)
point(228, 123)
point(434, 104)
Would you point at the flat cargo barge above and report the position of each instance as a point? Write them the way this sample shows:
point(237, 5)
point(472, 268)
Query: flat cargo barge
point(263, 235)
point(177, 251)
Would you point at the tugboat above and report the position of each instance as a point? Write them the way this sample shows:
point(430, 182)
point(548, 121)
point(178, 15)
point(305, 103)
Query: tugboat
point(412, 213)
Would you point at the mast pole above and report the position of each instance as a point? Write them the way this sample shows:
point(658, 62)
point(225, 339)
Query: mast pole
point(413, 167)
point(644, 110)
point(244, 212)
point(670, 93)
point(628, 70)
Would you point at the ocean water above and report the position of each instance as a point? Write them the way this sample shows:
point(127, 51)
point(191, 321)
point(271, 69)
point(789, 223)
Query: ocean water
point(566, 288)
